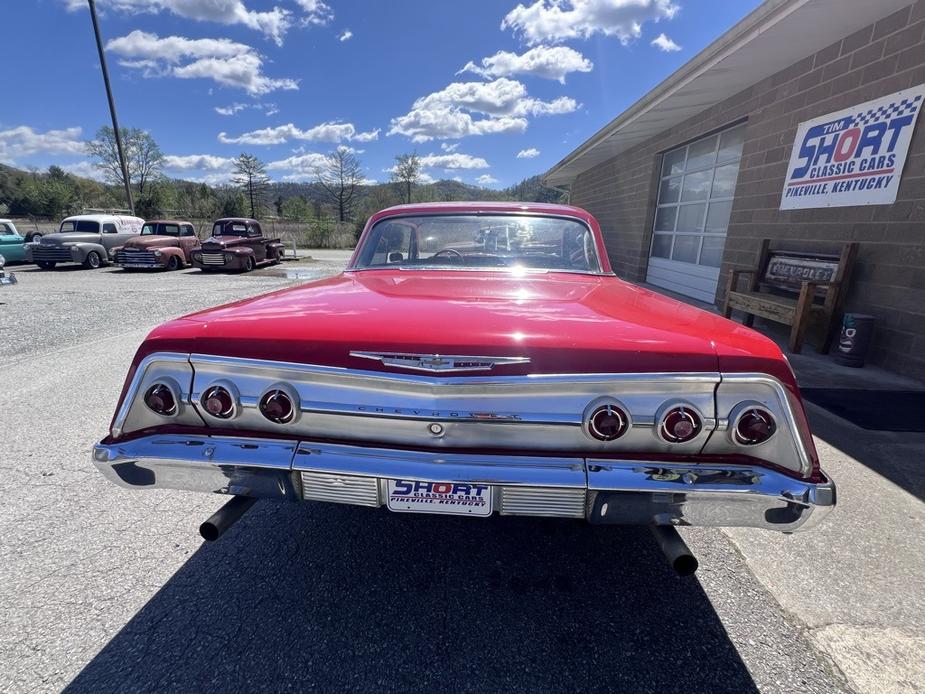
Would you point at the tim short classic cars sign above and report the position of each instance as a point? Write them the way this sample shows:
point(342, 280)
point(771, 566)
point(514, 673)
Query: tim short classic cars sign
point(852, 157)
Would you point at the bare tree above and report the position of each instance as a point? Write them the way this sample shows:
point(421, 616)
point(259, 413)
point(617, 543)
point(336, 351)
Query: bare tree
point(407, 173)
point(143, 158)
point(250, 175)
point(339, 177)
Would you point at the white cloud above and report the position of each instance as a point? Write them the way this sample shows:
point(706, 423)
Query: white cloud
point(486, 180)
point(558, 20)
point(230, 110)
point(345, 36)
point(237, 107)
point(272, 23)
point(25, 141)
point(549, 62)
point(85, 169)
point(455, 160)
point(316, 12)
point(663, 43)
point(224, 61)
point(530, 153)
point(448, 147)
point(447, 114)
point(280, 134)
point(197, 162)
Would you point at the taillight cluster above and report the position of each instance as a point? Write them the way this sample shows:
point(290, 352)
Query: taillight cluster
point(679, 422)
point(278, 404)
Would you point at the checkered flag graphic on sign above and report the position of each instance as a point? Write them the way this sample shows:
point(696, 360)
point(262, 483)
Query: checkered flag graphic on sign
point(888, 112)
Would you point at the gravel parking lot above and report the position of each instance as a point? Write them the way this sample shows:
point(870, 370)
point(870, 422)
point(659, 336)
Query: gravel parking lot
point(103, 589)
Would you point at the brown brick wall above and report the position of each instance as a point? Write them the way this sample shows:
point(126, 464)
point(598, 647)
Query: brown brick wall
point(889, 280)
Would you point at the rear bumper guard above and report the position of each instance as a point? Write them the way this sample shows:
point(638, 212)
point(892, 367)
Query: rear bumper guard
point(600, 491)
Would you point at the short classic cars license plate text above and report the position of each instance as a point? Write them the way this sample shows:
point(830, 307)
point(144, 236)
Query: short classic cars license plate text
point(440, 497)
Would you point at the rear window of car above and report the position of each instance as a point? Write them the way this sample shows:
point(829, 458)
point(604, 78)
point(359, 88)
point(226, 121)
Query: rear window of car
point(5, 229)
point(160, 230)
point(84, 225)
point(465, 241)
point(229, 229)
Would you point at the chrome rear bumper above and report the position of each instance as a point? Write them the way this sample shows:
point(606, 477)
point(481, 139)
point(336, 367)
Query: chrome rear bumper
point(600, 491)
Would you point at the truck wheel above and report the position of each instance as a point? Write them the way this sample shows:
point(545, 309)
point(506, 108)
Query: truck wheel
point(46, 264)
point(174, 263)
point(93, 260)
point(248, 264)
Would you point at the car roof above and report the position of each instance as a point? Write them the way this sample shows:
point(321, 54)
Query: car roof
point(167, 221)
point(6, 221)
point(245, 220)
point(476, 207)
point(99, 217)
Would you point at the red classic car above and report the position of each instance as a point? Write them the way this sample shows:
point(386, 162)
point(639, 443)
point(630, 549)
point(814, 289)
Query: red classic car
point(237, 244)
point(474, 358)
point(163, 243)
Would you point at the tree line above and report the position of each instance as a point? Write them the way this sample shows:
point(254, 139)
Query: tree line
point(338, 190)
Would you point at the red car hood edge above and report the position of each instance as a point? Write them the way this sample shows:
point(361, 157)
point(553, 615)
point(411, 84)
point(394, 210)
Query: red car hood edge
point(565, 323)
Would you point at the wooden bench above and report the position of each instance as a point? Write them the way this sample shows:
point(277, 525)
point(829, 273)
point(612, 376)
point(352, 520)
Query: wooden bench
point(793, 288)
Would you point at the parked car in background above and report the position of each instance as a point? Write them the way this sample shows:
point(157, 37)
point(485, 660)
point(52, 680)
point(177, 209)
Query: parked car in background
point(6, 278)
point(87, 239)
point(12, 243)
point(237, 243)
point(474, 358)
point(163, 243)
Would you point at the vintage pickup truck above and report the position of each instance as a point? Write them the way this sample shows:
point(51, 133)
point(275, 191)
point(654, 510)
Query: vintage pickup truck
point(237, 244)
point(474, 358)
point(87, 239)
point(163, 243)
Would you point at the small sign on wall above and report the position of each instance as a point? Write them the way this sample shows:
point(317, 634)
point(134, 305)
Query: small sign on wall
point(852, 157)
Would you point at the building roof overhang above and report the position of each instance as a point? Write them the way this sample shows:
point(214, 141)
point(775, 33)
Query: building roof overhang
point(774, 36)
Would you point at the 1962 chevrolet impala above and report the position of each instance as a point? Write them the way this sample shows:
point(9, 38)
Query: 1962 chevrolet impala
point(474, 358)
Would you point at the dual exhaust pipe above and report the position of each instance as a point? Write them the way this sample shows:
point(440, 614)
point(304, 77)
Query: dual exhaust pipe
point(676, 551)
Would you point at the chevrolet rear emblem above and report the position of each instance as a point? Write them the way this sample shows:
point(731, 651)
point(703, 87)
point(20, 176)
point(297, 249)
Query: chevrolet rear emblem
point(439, 362)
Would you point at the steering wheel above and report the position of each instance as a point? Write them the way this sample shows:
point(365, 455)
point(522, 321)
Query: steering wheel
point(449, 251)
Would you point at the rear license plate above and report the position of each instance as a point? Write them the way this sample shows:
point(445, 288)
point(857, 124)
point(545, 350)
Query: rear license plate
point(135, 265)
point(462, 499)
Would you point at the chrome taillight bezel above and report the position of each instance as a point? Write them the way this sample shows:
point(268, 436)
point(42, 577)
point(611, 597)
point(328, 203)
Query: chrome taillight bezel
point(602, 405)
point(235, 408)
point(291, 394)
point(173, 389)
point(740, 411)
point(666, 410)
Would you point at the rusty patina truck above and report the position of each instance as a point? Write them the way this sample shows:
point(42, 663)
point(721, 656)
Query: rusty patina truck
point(163, 243)
point(237, 244)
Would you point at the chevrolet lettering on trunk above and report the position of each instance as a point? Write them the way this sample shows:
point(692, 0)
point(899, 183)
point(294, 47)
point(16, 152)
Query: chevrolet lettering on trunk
point(474, 359)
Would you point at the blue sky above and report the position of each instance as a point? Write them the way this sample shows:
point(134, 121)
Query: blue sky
point(487, 91)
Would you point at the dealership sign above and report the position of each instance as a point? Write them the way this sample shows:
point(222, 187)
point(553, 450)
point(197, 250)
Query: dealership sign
point(852, 157)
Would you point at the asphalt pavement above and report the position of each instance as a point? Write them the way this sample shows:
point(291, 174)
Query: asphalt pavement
point(104, 589)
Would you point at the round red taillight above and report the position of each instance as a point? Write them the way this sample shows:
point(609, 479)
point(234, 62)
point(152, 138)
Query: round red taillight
point(160, 400)
point(607, 423)
point(755, 425)
point(680, 424)
point(276, 405)
point(219, 402)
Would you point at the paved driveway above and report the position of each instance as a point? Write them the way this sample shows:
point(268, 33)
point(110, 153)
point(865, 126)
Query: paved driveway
point(103, 589)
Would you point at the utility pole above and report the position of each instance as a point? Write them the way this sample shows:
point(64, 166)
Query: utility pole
point(112, 106)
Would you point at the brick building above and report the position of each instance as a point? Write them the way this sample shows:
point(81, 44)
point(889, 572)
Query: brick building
point(687, 181)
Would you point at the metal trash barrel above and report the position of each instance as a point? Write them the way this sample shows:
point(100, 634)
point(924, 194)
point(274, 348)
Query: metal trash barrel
point(856, 332)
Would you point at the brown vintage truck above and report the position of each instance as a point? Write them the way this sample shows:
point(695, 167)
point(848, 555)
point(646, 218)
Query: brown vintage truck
point(163, 243)
point(237, 243)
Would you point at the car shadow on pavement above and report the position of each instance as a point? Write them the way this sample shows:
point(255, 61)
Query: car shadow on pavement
point(334, 598)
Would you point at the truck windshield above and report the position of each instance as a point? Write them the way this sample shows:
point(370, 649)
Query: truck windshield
point(160, 230)
point(480, 242)
point(84, 225)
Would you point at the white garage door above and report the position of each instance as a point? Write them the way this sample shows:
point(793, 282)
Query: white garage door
point(695, 194)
